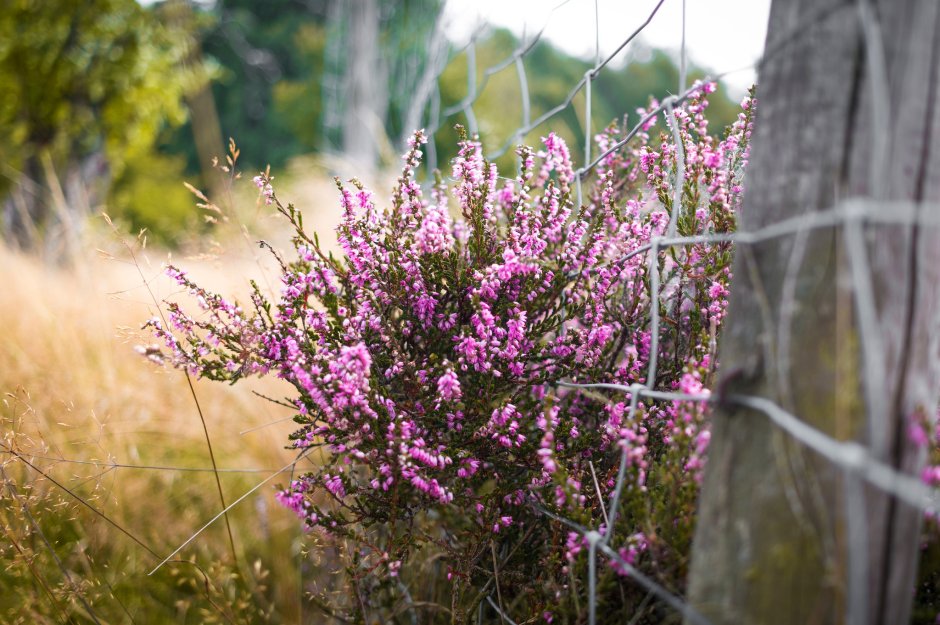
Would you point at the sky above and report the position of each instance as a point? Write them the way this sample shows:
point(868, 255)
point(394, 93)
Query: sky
point(721, 35)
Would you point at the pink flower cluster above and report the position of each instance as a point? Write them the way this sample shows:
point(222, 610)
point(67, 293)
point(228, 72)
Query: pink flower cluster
point(426, 359)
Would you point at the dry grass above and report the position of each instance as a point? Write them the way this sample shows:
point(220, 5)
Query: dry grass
point(74, 389)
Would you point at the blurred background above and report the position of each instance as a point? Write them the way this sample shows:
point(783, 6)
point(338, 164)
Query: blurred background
point(113, 107)
point(110, 104)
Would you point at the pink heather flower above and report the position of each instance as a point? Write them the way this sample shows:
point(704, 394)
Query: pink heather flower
point(448, 386)
point(931, 475)
point(292, 500)
point(574, 543)
point(637, 544)
point(334, 484)
point(468, 467)
point(690, 384)
point(917, 434)
point(264, 184)
point(424, 359)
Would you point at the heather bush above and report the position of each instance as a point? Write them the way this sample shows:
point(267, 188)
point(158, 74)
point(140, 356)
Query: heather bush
point(426, 363)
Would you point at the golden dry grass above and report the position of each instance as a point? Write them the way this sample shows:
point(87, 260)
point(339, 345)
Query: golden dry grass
point(74, 389)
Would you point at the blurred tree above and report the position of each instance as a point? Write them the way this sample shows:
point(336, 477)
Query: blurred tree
point(203, 114)
point(268, 59)
point(86, 86)
point(365, 85)
point(90, 90)
point(286, 84)
point(294, 79)
point(378, 59)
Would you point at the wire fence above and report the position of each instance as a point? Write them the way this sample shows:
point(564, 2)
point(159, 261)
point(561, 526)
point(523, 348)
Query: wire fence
point(858, 462)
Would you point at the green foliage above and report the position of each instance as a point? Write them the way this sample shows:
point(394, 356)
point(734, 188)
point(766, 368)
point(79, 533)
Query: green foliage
point(79, 77)
point(297, 102)
point(283, 66)
point(88, 90)
point(404, 43)
point(149, 194)
point(267, 91)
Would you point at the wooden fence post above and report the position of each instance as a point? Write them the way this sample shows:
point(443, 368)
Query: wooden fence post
point(849, 106)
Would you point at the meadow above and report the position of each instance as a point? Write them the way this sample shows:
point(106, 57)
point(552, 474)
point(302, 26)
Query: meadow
point(106, 467)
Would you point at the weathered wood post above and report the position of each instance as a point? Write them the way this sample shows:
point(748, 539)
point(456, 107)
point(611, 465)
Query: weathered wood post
point(849, 106)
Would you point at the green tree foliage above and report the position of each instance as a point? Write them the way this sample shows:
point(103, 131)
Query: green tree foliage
point(269, 57)
point(87, 88)
point(297, 102)
point(148, 194)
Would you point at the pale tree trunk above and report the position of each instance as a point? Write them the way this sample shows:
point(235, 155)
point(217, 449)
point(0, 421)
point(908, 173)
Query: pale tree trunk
point(49, 204)
point(366, 93)
point(436, 57)
point(24, 207)
point(774, 542)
